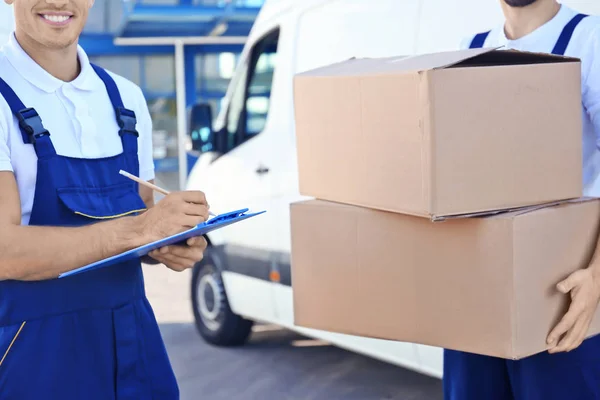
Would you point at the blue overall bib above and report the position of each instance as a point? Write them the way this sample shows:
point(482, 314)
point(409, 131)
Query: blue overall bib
point(93, 335)
point(545, 376)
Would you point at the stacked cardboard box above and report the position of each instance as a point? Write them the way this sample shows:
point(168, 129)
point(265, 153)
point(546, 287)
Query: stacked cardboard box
point(448, 198)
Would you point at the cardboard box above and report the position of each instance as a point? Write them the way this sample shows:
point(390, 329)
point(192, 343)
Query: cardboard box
point(441, 134)
point(484, 285)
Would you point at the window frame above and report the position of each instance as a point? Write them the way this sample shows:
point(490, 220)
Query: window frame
point(250, 63)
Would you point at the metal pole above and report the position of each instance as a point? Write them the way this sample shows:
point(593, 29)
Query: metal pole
point(181, 112)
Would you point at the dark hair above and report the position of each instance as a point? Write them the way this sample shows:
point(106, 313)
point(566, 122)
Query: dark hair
point(519, 3)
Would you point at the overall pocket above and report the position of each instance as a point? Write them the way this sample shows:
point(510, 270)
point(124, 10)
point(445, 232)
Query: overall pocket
point(102, 203)
point(9, 335)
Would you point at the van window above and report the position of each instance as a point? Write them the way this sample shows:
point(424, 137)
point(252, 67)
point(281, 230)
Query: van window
point(249, 105)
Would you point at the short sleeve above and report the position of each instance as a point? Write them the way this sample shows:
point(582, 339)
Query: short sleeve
point(5, 163)
point(144, 128)
point(590, 68)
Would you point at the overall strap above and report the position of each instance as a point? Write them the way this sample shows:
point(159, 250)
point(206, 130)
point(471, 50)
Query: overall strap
point(125, 118)
point(566, 34)
point(479, 40)
point(30, 123)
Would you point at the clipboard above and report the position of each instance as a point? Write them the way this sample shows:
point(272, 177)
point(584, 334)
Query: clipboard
point(212, 224)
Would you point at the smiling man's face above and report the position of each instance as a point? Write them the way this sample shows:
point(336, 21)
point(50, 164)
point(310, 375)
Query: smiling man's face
point(55, 24)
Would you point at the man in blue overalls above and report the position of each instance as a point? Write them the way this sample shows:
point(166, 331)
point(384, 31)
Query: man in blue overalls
point(67, 127)
point(570, 370)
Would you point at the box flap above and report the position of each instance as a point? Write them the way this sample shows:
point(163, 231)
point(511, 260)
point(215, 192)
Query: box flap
point(423, 62)
point(511, 212)
point(351, 67)
point(396, 64)
point(490, 56)
point(500, 56)
point(469, 58)
point(527, 210)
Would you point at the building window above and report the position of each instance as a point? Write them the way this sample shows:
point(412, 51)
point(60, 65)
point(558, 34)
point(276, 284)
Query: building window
point(159, 73)
point(126, 66)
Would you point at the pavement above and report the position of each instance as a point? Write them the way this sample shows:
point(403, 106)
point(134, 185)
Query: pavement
point(276, 364)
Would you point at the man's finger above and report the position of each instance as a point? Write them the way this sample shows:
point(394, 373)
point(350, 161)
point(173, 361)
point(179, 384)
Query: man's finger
point(195, 210)
point(194, 196)
point(192, 221)
point(198, 241)
point(174, 262)
point(571, 282)
point(155, 254)
point(184, 255)
point(564, 325)
point(573, 338)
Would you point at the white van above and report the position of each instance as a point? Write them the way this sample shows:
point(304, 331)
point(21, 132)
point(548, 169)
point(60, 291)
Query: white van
point(249, 159)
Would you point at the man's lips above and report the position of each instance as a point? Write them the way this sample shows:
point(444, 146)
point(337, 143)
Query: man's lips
point(56, 18)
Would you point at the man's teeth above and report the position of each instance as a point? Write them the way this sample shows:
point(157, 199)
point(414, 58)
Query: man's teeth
point(56, 18)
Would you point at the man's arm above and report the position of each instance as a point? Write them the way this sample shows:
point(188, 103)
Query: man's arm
point(35, 253)
point(147, 196)
point(583, 286)
point(591, 103)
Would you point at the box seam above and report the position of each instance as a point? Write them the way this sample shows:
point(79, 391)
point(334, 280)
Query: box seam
point(428, 164)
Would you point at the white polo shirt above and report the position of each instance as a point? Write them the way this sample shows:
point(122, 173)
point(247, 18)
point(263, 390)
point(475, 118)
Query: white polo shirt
point(585, 45)
point(78, 115)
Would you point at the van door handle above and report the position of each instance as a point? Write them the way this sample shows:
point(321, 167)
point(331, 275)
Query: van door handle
point(262, 170)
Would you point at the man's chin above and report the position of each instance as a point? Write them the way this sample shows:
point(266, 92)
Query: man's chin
point(59, 43)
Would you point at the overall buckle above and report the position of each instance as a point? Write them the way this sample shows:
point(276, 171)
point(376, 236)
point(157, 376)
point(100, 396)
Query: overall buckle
point(127, 121)
point(31, 122)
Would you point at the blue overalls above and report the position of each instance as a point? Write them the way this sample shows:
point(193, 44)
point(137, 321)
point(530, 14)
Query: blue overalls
point(93, 335)
point(562, 376)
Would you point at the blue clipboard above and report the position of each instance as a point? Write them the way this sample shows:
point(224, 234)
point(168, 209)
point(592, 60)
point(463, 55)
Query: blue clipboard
point(220, 221)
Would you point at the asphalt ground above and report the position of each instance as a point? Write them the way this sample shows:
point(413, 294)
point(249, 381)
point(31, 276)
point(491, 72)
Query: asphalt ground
point(276, 364)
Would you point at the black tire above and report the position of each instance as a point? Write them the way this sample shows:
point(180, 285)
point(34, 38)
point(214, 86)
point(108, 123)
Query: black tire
point(215, 321)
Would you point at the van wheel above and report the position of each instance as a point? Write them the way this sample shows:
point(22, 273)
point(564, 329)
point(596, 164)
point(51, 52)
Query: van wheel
point(215, 321)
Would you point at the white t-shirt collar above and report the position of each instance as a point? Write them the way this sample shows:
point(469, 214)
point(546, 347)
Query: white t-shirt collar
point(37, 76)
point(547, 30)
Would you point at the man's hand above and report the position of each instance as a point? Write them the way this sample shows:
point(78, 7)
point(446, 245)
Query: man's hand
point(584, 287)
point(175, 213)
point(178, 257)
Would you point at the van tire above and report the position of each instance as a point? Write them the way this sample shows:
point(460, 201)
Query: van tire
point(215, 321)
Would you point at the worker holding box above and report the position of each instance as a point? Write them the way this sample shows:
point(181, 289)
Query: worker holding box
point(571, 367)
point(67, 128)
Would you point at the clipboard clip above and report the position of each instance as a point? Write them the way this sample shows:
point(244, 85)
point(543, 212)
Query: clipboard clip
point(226, 216)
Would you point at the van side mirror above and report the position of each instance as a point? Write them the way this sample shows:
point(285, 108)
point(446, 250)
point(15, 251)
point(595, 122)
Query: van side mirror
point(200, 128)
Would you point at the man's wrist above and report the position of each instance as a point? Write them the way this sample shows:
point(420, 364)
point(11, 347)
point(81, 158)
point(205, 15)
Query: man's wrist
point(129, 232)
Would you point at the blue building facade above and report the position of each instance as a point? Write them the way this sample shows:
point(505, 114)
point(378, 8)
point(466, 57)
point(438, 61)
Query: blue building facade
point(208, 67)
